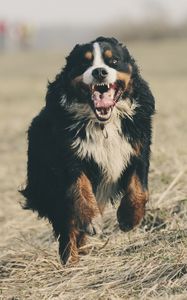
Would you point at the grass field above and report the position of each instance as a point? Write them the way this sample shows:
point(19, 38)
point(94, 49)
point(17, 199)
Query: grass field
point(148, 263)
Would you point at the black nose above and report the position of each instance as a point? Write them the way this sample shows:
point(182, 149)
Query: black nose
point(99, 73)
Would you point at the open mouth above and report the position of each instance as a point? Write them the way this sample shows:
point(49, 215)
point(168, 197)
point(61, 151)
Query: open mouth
point(104, 97)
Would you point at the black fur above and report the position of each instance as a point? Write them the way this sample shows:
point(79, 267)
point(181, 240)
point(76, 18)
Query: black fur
point(53, 166)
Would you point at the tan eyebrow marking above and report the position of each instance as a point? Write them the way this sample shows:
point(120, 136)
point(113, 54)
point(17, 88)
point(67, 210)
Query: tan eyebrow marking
point(108, 53)
point(88, 55)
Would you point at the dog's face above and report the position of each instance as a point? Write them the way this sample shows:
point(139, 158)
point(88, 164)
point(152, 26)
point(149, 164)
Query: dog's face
point(99, 73)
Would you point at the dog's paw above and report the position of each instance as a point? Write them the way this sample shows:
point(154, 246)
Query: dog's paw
point(126, 225)
point(96, 226)
point(129, 216)
point(68, 250)
point(69, 260)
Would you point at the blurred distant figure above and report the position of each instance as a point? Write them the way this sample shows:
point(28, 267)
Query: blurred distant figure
point(3, 32)
point(24, 36)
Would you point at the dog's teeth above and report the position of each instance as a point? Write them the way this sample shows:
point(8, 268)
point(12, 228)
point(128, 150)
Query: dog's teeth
point(101, 84)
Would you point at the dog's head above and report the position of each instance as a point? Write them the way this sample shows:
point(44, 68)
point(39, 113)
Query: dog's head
point(98, 75)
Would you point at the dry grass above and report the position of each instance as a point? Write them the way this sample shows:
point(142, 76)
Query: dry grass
point(149, 262)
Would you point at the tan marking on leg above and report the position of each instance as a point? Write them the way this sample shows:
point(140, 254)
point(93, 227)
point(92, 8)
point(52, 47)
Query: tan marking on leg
point(138, 198)
point(137, 148)
point(135, 188)
point(68, 247)
point(86, 202)
point(73, 250)
point(84, 210)
point(81, 244)
point(132, 206)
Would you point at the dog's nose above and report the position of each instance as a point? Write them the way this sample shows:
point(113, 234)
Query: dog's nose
point(99, 73)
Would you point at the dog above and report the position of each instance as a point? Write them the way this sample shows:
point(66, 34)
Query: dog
point(90, 145)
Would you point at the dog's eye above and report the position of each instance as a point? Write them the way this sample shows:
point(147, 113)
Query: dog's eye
point(114, 62)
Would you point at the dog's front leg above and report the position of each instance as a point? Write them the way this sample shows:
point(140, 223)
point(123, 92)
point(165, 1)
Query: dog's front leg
point(132, 206)
point(82, 210)
point(86, 208)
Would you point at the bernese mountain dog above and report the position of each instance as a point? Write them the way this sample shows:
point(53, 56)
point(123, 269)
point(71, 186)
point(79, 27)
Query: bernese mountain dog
point(90, 144)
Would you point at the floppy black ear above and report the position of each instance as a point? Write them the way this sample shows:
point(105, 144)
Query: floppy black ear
point(72, 57)
point(126, 53)
point(58, 89)
point(140, 90)
point(55, 90)
point(74, 50)
point(131, 61)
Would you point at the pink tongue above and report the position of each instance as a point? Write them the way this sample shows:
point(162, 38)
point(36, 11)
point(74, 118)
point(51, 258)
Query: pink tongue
point(104, 100)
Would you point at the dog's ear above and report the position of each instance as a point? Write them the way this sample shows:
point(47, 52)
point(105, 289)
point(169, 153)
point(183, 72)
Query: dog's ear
point(126, 55)
point(76, 47)
point(131, 61)
point(71, 59)
point(56, 90)
point(139, 88)
point(73, 52)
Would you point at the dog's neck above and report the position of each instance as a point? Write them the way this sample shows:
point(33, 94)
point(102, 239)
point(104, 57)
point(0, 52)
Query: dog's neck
point(82, 114)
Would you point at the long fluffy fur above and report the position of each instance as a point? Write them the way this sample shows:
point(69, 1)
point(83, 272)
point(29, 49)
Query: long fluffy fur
point(74, 166)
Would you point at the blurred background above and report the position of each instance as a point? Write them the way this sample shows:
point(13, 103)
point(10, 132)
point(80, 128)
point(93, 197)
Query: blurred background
point(54, 24)
point(35, 38)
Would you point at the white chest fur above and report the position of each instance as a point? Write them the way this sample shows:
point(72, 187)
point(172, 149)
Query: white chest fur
point(108, 147)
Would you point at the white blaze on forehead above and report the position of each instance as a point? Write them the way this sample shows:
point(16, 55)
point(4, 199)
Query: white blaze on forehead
point(98, 62)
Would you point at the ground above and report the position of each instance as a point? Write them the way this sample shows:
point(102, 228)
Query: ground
point(150, 262)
